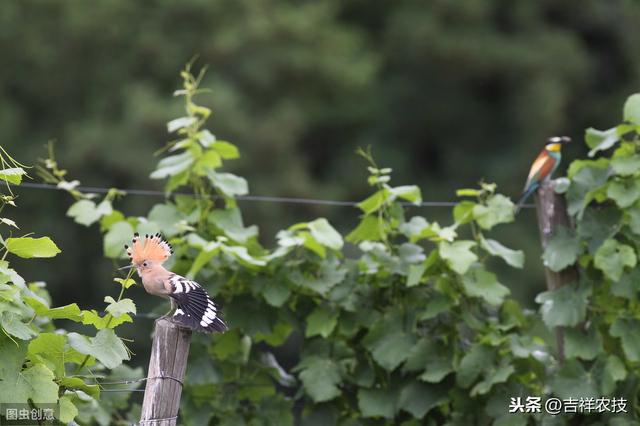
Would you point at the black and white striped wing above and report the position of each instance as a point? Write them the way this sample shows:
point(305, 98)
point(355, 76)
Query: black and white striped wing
point(196, 310)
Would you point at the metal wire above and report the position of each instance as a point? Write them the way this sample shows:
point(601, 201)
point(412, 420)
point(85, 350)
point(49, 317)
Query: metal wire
point(250, 198)
point(158, 420)
point(129, 382)
point(123, 382)
point(132, 381)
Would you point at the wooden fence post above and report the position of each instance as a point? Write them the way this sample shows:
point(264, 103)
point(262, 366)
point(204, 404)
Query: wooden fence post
point(551, 210)
point(167, 366)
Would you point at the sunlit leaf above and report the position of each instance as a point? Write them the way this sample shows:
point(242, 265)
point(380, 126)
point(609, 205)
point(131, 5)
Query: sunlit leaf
point(632, 109)
point(458, 255)
point(28, 247)
point(513, 258)
point(12, 175)
point(106, 347)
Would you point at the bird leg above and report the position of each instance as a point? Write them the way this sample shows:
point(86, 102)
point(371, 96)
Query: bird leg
point(173, 308)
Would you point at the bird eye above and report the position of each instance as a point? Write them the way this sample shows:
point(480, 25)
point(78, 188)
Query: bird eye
point(144, 264)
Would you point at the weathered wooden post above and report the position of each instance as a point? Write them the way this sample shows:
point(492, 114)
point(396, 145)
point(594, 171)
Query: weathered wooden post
point(551, 210)
point(167, 366)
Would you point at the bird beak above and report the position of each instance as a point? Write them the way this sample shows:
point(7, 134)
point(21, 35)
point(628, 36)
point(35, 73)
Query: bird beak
point(125, 267)
point(559, 139)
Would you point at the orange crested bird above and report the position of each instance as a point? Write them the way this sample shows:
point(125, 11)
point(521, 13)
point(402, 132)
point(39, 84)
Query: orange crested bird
point(543, 167)
point(191, 306)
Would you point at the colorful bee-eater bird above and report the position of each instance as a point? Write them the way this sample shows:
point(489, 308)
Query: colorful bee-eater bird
point(191, 306)
point(543, 167)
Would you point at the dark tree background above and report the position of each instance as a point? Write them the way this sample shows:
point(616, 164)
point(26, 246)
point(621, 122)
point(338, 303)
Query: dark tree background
point(446, 93)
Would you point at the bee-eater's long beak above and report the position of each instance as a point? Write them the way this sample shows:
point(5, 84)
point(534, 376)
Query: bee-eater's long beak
point(125, 267)
point(559, 139)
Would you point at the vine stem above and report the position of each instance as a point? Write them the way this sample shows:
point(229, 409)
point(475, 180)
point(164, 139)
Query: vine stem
point(86, 358)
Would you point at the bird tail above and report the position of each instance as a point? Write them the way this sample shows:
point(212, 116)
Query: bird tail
point(525, 195)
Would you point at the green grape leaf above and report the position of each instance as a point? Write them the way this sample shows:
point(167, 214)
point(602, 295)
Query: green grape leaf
point(37, 384)
point(67, 410)
point(276, 293)
point(375, 201)
point(166, 216)
point(631, 111)
point(227, 150)
point(180, 123)
point(458, 255)
point(126, 283)
point(513, 258)
point(120, 308)
point(410, 193)
point(582, 344)
point(325, 234)
point(78, 383)
point(562, 249)
point(229, 221)
point(278, 336)
point(321, 322)
point(388, 343)
point(118, 235)
point(600, 140)
point(612, 258)
point(613, 371)
point(624, 192)
point(227, 345)
point(370, 228)
point(431, 357)
point(476, 360)
point(628, 330)
point(13, 325)
point(481, 283)
point(71, 312)
point(84, 212)
point(463, 212)
point(627, 285)
point(328, 274)
point(173, 165)
point(492, 376)
point(626, 165)
point(52, 347)
point(320, 378)
point(378, 402)
point(588, 177)
point(12, 175)
point(93, 318)
point(229, 184)
point(498, 209)
point(106, 347)
point(565, 306)
point(572, 381)
point(27, 247)
point(418, 398)
point(210, 160)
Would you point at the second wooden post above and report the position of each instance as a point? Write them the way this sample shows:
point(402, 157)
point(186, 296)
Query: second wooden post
point(551, 210)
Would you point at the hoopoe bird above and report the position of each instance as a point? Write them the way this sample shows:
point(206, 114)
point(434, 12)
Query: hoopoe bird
point(543, 166)
point(191, 306)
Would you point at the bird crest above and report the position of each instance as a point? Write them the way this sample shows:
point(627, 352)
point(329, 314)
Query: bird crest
point(153, 248)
